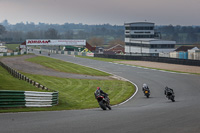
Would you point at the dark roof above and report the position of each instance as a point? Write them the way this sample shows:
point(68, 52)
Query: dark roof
point(139, 23)
point(184, 48)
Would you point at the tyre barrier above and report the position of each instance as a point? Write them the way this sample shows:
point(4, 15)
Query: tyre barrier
point(26, 98)
point(9, 98)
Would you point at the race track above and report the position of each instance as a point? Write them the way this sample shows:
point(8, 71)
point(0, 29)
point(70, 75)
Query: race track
point(139, 115)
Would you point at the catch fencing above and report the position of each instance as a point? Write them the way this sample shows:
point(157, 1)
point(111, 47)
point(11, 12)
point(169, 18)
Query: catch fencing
point(26, 98)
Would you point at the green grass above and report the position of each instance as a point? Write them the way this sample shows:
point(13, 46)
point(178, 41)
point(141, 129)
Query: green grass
point(63, 66)
point(73, 93)
point(100, 59)
point(78, 93)
point(8, 82)
point(12, 46)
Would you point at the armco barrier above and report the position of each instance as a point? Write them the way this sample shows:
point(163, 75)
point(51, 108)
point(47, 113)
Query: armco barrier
point(12, 54)
point(9, 98)
point(26, 98)
point(20, 76)
point(153, 59)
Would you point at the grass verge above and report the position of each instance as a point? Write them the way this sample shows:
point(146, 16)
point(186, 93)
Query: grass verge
point(8, 82)
point(68, 67)
point(78, 93)
point(12, 46)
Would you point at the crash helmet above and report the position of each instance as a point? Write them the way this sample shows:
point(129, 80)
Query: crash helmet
point(144, 85)
point(98, 88)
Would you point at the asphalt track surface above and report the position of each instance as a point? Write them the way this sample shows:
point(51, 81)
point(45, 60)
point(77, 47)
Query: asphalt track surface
point(139, 115)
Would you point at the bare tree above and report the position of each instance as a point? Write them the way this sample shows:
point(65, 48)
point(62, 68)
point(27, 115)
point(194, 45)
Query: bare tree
point(68, 34)
point(116, 41)
point(95, 41)
point(51, 34)
point(30, 35)
point(2, 29)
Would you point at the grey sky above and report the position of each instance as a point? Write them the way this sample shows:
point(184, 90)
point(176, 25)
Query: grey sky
point(161, 12)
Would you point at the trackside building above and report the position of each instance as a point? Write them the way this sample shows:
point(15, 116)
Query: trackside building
point(141, 38)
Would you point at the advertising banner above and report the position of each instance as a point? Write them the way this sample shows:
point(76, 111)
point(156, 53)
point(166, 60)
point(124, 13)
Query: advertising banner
point(44, 42)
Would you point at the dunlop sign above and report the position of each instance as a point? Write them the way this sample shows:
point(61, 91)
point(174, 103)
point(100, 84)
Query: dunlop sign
point(55, 42)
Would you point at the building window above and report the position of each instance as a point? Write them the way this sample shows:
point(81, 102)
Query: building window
point(163, 46)
point(138, 45)
point(140, 28)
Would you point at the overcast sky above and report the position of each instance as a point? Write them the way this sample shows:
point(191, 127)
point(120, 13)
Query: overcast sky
point(160, 12)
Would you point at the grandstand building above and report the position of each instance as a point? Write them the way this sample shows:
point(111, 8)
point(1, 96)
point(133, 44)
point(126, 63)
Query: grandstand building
point(141, 38)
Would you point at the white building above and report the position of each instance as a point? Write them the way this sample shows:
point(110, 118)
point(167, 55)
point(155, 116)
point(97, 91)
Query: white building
point(3, 49)
point(141, 38)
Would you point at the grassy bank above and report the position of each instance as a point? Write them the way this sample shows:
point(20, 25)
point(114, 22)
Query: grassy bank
point(14, 47)
point(66, 66)
point(73, 93)
point(8, 82)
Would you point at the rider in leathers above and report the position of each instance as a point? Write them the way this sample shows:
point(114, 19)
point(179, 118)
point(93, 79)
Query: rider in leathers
point(145, 88)
point(168, 91)
point(100, 92)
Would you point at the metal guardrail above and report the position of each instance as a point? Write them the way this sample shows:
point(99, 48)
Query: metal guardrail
point(26, 98)
point(9, 98)
point(12, 54)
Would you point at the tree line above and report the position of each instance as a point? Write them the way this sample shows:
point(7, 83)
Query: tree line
point(103, 34)
point(21, 31)
point(180, 34)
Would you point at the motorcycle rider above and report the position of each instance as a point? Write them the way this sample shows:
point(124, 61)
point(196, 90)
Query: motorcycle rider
point(100, 92)
point(169, 91)
point(145, 88)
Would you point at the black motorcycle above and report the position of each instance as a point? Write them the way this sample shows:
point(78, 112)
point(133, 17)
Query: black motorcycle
point(171, 96)
point(103, 102)
point(147, 93)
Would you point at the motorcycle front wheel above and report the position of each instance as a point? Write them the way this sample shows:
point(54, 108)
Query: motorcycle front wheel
point(108, 107)
point(102, 105)
point(147, 95)
point(173, 100)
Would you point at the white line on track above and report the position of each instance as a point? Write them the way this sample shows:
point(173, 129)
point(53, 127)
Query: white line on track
point(153, 69)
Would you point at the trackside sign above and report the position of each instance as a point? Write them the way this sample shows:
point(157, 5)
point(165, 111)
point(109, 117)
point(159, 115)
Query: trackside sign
point(55, 42)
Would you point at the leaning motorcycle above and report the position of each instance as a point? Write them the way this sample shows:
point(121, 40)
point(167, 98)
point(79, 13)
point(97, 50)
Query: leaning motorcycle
point(147, 93)
point(171, 97)
point(103, 102)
